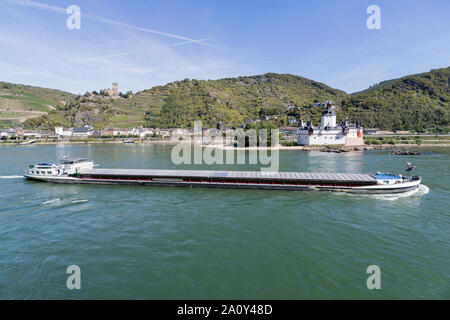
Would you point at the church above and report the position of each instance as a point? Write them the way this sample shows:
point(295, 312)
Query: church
point(330, 133)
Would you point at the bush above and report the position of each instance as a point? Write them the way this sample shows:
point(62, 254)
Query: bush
point(288, 143)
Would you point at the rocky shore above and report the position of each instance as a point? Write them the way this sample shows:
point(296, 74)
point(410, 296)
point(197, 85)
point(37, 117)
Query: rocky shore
point(405, 153)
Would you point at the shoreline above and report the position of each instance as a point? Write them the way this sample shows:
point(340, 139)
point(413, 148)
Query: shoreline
point(336, 149)
point(329, 148)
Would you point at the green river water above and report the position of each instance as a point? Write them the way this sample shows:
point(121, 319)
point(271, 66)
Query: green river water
point(181, 243)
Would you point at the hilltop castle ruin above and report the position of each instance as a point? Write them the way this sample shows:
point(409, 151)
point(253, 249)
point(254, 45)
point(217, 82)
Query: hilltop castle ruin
point(114, 92)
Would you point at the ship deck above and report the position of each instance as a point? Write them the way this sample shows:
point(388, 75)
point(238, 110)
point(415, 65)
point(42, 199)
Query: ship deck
point(235, 176)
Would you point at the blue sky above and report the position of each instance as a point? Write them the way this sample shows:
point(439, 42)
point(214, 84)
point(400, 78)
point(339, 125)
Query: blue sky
point(140, 44)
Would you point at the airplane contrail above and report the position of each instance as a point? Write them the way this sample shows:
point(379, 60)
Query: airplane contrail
point(142, 50)
point(437, 53)
point(48, 7)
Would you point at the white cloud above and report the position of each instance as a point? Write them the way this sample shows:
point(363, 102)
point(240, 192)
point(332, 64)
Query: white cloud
point(78, 61)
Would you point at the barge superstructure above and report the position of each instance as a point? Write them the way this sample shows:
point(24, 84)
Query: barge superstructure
point(83, 172)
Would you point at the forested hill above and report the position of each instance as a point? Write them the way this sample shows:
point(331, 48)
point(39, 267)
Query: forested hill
point(236, 100)
point(414, 102)
point(178, 104)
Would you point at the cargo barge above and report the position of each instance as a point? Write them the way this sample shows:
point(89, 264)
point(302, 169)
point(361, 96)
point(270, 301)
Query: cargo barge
point(82, 171)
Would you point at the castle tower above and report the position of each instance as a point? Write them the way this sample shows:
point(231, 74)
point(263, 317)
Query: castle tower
point(115, 89)
point(328, 117)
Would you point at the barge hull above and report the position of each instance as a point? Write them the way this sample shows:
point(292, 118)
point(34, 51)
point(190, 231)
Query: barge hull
point(285, 185)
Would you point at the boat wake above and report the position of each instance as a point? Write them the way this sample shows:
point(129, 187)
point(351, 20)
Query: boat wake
point(51, 201)
point(79, 201)
point(11, 177)
point(420, 191)
point(58, 202)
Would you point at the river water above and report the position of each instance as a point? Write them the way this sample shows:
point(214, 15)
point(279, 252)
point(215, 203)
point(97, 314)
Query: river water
point(181, 243)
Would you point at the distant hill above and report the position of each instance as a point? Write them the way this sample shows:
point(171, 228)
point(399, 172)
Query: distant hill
point(178, 104)
point(20, 102)
point(235, 100)
point(414, 102)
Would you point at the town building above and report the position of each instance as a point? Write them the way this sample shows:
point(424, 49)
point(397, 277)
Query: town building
point(140, 132)
point(19, 132)
point(60, 131)
point(85, 131)
point(330, 132)
point(165, 133)
point(7, 133)
point(39, 134)
point(108, 132)
point(371, 131)
point(125, 132)
point(144, 132)
point(289, 131)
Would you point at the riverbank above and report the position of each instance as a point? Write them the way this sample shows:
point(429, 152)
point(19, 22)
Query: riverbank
point(336, 149)
point(88, 141)
point(330, 148)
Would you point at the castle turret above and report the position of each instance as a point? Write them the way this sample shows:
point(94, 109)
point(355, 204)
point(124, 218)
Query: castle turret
point(328, 117)
point(115, 89)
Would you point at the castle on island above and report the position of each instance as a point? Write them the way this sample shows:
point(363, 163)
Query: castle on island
point(330, 133)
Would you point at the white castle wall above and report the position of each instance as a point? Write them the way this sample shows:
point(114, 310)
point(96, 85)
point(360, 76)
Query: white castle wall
point(330, 137)
point(321, 137)
point(328, 121)
point(353, 139)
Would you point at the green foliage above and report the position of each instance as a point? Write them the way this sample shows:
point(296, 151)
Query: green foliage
point(414, 103)
point(261, 125)
point(257, 126)
point(288, 143)
point(418, 103)
point(236, 100)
